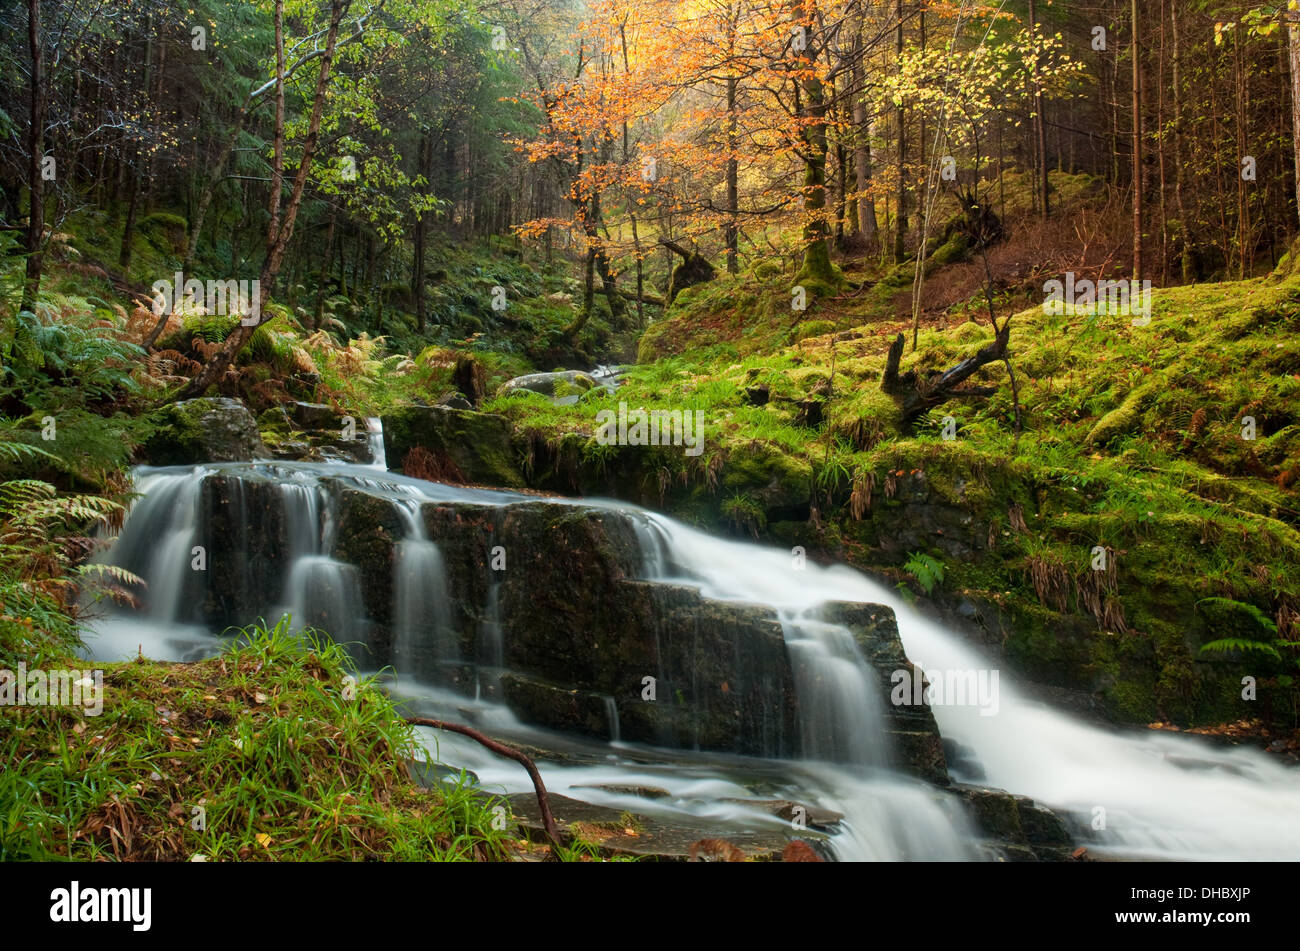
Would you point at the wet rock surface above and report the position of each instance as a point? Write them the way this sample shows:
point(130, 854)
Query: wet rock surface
point(614, 832)
point(911, 726)
point(1015, 827)
point(585, 645)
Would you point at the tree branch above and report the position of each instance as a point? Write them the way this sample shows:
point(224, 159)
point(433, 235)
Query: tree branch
point(543, 802)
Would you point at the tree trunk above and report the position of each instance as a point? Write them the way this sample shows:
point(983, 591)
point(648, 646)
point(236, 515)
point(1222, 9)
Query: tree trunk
point(862, 155)
point(277, 137)
point(816, 256)
point(324, 277)
point(1184, 225)
point(277, 244)
point(1040, 130)
point(693, 270)
point(733, 189)
point(916, 396)
point(35, 182)
point(128, 231)
point(1293, 54)
point(1137, 148)
point(900, 216)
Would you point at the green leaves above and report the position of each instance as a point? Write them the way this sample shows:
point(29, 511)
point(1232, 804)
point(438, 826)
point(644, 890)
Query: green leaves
point(1229, 645)
point(927, 571)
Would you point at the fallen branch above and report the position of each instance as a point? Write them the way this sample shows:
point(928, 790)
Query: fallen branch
point(915, 396)
point(543, 802)
point(650, 299)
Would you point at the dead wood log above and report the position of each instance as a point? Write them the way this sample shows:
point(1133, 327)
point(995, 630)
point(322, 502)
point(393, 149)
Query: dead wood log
point(694, 269)
point(916, 396)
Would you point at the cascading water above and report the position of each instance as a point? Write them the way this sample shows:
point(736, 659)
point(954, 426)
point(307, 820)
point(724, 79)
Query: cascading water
point(491, 644)
point(375, 439)
point(1163, 796)
point(840, 703)
point(421, 615)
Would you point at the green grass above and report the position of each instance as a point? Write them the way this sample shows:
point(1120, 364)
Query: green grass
point(264, 738)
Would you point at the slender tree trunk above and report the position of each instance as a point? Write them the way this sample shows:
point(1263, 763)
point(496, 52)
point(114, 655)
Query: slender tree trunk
point(128, 231)
point(421, 231)
point(733, 188)
point(816, 256)
point(1160, 151)
point(862, 153)
point(1137, 146)
point(277, 138)
point(1293, 55)
point(277, 244)
point(325, 267)
point(900, 216)
point(35, 181)
point(1040, 129)
point(1243, 121)
point(1180, 206)
point(640, 276)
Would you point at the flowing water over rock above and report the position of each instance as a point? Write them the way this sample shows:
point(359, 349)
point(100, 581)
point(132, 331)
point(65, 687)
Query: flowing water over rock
point(639, 654)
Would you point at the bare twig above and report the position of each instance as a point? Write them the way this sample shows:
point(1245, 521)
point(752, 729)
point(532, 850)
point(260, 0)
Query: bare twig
point(543, 802)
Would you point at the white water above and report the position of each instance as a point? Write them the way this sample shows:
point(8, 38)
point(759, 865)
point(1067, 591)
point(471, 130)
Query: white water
point(421, 609)
point(1164, 796)
point(375, 439)
point(888, 818)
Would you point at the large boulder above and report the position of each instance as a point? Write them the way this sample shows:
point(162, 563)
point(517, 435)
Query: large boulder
point(591, 648)
point(207, 429)
point(458, 445)
point(314, 432)
point(563, 386)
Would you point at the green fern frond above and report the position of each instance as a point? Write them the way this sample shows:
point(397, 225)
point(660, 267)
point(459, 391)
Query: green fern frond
point(1228, 645)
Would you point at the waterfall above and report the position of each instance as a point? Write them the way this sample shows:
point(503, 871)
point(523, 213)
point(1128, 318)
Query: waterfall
point(1132, 793)
point(175, 546)
point(375, 439)
point(1159, 795)
point(423, 636)
point(491, 641)
point(325, 594)
point(611, 714)
point(839, 701)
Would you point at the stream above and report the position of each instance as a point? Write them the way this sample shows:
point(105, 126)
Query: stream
point(1127, 795)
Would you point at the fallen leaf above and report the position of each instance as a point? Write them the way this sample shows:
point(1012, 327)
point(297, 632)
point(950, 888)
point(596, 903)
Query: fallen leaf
point(263, 840)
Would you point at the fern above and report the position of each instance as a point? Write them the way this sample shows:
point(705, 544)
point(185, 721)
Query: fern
point(39, 586)
point(1229, 645)
point(927, 571)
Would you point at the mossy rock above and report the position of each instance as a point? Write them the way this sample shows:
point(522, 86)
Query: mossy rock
point(1125, 418)
point(777, 481)
point(478, 445)
point(953, 250)
point(208, 429)
point(812, 328)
